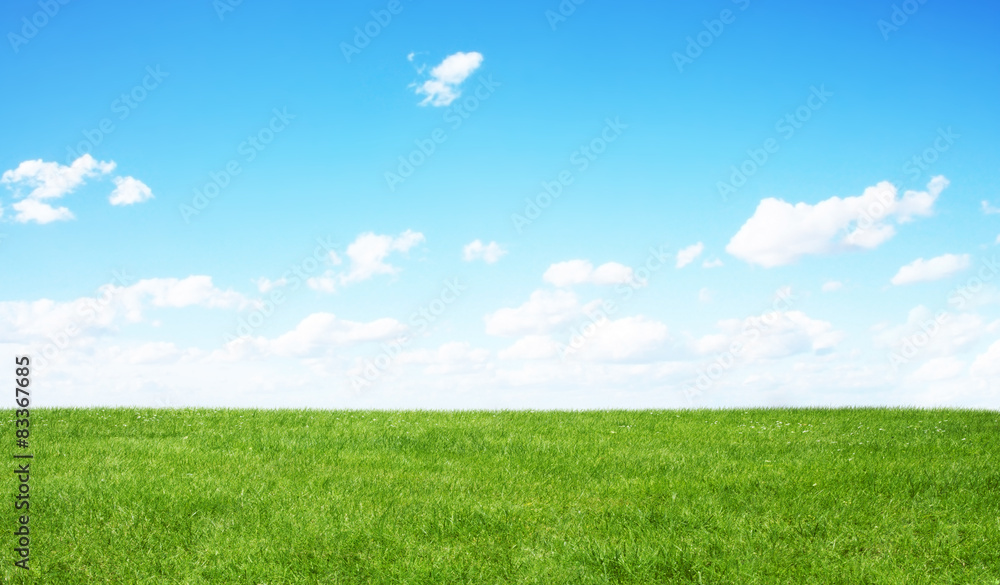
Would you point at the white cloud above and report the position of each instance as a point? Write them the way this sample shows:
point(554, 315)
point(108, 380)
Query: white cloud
point(832, 285)
point(39, 212)
point(128, 191)
point(773, 335)
point(445, 357)
point(315, 336)
point(711, 263)
point(919, 203)
point(628, 338)
point(320, 332)
point(531, 347)
point(182, 292)
point(936, 268)
point(266, 285)
point(44, 318)
point(155, 352)
point(29, 321)
point(563, 274)
point(987, 364)
point(368, 252)
point(928, 335)
point(51, 180)
point(989, 209)
point(326, 283)
point(780, 233)
point(943, 368)
point(704, 296)
point(442, 88)
point(713, 342)
point(542, 312)
point(605, 340)
point(367, 255)
point(488, 253)
point(688, 255)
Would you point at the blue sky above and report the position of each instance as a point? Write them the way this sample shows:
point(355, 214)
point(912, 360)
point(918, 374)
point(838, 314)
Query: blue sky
point(880, 115)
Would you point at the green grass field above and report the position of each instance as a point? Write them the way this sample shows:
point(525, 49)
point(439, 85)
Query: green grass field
point(744, 497)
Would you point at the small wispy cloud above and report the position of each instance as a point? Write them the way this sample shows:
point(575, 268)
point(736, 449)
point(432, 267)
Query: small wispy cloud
point(443, 86)
point(488, 253)
point(367, 256)
point(936, 268)
point(128, 191)
point(689, 254)
point(571, 272)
